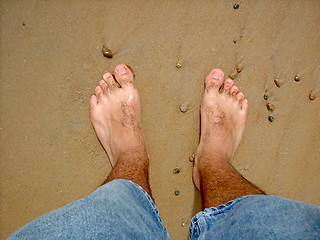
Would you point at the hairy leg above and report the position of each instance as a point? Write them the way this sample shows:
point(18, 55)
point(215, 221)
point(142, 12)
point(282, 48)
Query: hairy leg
point(223, 117)
point(116, 118)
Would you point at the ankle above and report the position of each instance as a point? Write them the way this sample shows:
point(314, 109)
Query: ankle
point(213, 158)
point(214, 166)
point(133, 155)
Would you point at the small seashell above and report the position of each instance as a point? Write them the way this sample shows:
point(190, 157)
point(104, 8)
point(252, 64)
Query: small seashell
point(184, 224)
point(271, 118)
point(266, 96)
point(192, 158)
point(236, 6)
point(270, 107)
point(312, 96)
point(177, 193)
point(183, 108)
point(297, 78)
point(277, 82)
point(178, 65)
point(239, 69)
point(107, 52)
point(176, 170)
point(250, 40)
point(235, 41)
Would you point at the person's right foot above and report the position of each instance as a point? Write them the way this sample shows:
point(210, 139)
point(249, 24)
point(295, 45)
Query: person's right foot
point(115, 115)
point(223, 119)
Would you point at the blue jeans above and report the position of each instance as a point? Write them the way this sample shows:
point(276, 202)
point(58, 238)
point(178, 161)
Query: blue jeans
point(123, 210)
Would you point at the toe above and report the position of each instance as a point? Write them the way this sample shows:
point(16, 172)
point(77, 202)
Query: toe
point(108, 78)
point(123, 75)
point(214, 80)
point(98, 91)
point(234, 90)
point(93, 102)
point(103, 85)
point(239, 96)
point(244, 105)
point(227, 86)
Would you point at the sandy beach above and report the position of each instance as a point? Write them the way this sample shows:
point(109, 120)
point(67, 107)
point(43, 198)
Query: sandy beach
point(51, 61)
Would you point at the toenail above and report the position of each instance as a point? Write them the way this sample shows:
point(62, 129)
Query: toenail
point(217, 75)
point(102, 82)
point(121, 70)
point(106, 76)
point(229, 81)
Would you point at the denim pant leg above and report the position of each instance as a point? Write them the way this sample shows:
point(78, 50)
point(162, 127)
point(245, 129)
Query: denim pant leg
point(258, 217)
point(118, 210)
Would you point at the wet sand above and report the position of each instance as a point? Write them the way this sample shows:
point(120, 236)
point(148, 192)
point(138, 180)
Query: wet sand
point(51, 61)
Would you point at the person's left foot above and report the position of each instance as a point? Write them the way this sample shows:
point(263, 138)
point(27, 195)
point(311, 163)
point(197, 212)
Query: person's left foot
point(223, 119)
point(115, 115)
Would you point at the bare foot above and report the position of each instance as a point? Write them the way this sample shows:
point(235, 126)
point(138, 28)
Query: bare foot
point(115, 114)
point(223, 119)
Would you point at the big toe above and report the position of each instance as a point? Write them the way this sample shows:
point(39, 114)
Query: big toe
point(123, 75)
point(214, 80)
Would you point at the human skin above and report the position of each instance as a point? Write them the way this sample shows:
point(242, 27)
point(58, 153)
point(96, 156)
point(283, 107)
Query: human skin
point(116, 118)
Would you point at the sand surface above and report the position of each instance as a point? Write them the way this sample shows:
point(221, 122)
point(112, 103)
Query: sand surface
point(51, 61)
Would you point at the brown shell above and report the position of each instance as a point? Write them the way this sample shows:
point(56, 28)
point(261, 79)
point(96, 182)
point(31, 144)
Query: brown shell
point(183, 108)
point(176, 170)
point(277, 82)
point(270, 107)
point(312, 96)
point(239, 69)
point(107, 52)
